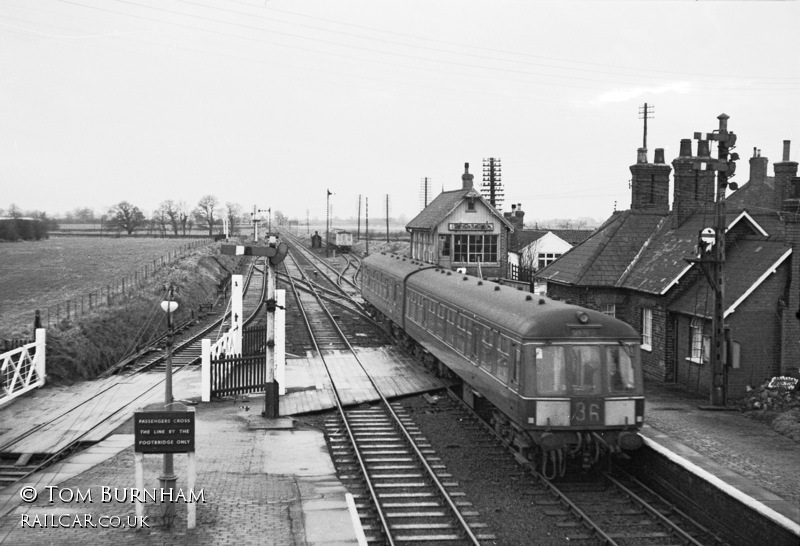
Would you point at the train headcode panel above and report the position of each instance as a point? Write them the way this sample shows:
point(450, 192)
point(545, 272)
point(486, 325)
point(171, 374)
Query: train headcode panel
point(163, 431)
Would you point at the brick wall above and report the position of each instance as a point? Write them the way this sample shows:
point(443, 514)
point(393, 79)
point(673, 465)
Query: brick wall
point(756, 325)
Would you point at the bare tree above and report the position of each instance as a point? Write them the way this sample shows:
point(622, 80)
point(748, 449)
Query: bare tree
point(184, 218)
point(233, 211)
point(125, 216)
point(160, 221)
point(84, 214)
point(206, 212)
point(171, 210)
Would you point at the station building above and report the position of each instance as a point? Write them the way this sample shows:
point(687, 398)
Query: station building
point(460, 229)
point(635, 267)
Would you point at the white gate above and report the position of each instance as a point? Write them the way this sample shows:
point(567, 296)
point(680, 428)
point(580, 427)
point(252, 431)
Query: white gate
point(22, 369)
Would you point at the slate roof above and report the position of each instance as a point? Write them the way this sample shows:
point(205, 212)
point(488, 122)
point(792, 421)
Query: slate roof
point(603, 258)
point(757, 196)
point(443, 204)
point(640, 251)
point(746, 262)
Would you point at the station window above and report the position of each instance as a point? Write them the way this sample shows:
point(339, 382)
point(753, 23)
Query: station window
point(701, 344)
point(647, 329)
point(474, 248)
point(546, 258)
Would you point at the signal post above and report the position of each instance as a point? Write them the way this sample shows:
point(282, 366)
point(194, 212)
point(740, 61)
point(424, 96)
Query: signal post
point(275, 253)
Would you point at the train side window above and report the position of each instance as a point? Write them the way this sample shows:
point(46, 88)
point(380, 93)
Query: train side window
point(432, 308)
point(487, 348)
point(551, 371)
point(441, 323)
point(450, 333)
point(503, 348)
point(474, 335)
point(515, 354)
point(461, 333)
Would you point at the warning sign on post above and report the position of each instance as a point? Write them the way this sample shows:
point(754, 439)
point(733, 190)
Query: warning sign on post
point(163, 431)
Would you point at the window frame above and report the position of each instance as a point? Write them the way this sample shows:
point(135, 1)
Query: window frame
point(647, 329)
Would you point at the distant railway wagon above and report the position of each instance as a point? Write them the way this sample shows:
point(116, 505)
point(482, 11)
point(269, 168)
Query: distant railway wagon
point(340, 239)
point(563, 383)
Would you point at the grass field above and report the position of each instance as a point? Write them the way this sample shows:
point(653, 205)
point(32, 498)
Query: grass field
point(34, 275)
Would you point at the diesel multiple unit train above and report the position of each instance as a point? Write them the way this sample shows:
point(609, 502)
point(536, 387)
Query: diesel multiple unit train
point(340, 239)
point(563, 383)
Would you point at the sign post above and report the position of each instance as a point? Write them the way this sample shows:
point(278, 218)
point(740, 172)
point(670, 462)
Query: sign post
point(167, 432)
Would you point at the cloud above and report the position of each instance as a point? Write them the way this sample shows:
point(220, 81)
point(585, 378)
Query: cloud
point(624, 95)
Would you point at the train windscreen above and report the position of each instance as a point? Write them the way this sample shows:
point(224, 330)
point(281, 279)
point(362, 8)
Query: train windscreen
point(562, 370)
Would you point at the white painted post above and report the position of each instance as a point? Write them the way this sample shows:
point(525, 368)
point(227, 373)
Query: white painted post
point(280, 341)
point(237, 286)
point(139, 470)
point(191, 508)
point(205, 370)
point(41, 347)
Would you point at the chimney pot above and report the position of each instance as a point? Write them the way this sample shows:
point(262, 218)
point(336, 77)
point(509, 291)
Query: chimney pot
point(641, 155)
point(466, 178)
point(686, 148)
point(659, 157)
point(702, 148)
point(513, 207)
point(786, 144)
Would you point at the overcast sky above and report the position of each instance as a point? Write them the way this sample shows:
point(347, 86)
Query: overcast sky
point(271, 103)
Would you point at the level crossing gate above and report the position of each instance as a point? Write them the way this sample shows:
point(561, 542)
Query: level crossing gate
point(228, 372)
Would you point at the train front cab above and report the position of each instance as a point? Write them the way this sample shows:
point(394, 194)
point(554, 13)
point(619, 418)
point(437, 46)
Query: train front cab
point(582, 397)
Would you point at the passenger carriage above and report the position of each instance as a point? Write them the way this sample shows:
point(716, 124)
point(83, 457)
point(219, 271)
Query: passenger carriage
point(562, 380)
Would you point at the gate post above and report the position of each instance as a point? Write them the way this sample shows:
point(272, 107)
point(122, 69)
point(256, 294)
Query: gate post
point(39, 358)
point(205, 370)
point(271, 400)
point(236, 312)
point(280, 341)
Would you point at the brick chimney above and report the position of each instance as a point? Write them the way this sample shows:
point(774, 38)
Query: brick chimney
point(466, 178)
point(693, 190)
point(758, 168)
point(787, 185)
point(516, 219)
point(785, 171)
point(650, 182)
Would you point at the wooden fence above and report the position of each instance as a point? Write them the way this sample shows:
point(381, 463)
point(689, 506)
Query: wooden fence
point(118, 290)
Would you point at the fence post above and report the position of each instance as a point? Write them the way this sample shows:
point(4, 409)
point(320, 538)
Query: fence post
point(205, 370)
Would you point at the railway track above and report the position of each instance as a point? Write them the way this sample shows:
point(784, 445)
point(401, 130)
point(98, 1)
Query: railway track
point(404, 496)
point(186, 350)
point(305, 289)
point(611, 507)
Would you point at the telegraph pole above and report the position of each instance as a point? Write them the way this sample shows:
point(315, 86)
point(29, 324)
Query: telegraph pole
point(387, 217)
point(645, 113)
point(725, 167)
point(366, 220)
point(492, 187)
point(328, 224)
point(358, 232)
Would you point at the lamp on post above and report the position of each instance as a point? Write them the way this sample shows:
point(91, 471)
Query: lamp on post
point(168, 478)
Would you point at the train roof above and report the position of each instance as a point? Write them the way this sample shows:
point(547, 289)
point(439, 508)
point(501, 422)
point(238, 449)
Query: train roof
point(529, 315)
